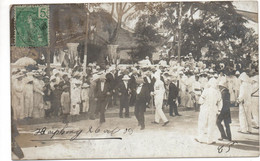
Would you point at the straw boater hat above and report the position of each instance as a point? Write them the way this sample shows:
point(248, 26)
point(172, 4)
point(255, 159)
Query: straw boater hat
point(126, 78)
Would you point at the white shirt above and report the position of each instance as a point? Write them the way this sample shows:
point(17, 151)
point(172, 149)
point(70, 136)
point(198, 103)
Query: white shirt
point(138, 90)
point(125, 83)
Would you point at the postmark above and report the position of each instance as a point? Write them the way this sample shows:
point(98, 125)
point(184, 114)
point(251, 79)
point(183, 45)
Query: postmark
point(32, 26)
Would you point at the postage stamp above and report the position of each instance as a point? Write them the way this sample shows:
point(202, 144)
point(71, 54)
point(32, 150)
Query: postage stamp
point(31, 26)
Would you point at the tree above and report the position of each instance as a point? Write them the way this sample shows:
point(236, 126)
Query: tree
point(121, 12)
point(147, 38)
point(216, 25)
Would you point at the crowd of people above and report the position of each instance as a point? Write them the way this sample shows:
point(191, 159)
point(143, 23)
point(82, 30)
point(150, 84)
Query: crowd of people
point(210, 89)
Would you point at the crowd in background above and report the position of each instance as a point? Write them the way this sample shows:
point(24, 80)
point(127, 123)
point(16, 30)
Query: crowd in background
point(71, 91)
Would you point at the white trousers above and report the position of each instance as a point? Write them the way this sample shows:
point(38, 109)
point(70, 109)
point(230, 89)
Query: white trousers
point(85, 105)
point(245, 119)
point(202, 123)
point(159, 114)
point(255, 111)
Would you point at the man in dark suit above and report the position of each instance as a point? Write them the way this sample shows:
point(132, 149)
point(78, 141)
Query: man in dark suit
point(110, 80)
point(225, 111)
point(123, 92)
point(132, 86)
point(173, 95)
point(142, 100)
point(102, 94)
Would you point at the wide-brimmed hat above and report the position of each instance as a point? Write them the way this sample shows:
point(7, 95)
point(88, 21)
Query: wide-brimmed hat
point(126, 78)
point(147, 57)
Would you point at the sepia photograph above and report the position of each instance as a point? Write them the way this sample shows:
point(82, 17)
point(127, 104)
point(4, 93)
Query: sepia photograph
point(133, 80)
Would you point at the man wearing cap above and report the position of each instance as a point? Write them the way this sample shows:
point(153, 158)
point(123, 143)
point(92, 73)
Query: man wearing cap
point(101, 96)
point(173, 96)
point(225, 111)
point(123, 92)
point(142, 100)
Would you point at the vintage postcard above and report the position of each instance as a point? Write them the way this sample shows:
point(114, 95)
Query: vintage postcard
point(134, 80)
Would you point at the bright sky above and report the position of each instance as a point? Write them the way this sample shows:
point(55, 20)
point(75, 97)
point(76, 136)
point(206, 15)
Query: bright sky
point(250, 6)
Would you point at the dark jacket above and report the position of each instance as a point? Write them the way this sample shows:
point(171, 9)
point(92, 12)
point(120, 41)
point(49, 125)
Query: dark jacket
point(144, 96)
point(173, 92)
point(225, 111)
point(102, 95)
point(124, 93)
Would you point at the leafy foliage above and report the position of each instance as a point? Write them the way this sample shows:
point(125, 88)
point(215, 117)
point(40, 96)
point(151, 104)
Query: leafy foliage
point(147, 38)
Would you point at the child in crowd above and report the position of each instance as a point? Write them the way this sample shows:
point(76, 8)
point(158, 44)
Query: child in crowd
point(65, 104)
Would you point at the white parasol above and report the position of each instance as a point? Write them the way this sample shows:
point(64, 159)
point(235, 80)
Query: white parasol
point(25, 61)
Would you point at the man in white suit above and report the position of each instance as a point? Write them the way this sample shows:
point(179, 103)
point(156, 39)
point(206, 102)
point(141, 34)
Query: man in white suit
point(211, 104)
point(158, 93)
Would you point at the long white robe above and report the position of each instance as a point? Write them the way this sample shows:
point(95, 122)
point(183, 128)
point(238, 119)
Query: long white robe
point(211, 103)
point(18, 99)
point(28, 100)
point(38, 105)
point(159, 92)
point(255, 104)
point(245, 119)
point(75, 98)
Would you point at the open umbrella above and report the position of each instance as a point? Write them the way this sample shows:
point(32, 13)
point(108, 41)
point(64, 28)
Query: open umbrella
point(25, 61)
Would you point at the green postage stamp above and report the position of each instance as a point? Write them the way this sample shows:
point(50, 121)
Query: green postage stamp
point(32, 26)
